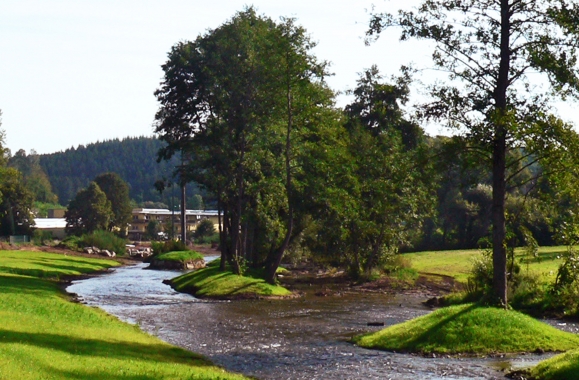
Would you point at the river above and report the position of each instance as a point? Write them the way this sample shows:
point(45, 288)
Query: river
point(303, 338)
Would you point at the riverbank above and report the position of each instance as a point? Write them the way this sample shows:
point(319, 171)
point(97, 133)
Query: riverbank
point(45, 335)
point(213, 283)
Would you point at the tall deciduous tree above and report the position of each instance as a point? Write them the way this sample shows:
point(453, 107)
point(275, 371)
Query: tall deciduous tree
point(35, 178)
point(117, 192)
point(241, 101)
point(89, 211)
point(496, 52)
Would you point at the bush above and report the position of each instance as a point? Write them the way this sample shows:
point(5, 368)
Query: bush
point(104, 240)
point(40, 237)
point(205, 229)
point(208, 239)
point(71, 242)
point(167, 246)
point(564, 294)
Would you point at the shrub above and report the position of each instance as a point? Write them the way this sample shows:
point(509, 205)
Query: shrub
point(564, 294)
point(39, 237)
point(71, 242)
point(167, 246)
point(204, 229)
point(104, 240)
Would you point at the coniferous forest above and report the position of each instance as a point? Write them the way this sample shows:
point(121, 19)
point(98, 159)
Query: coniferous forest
point(134, 159)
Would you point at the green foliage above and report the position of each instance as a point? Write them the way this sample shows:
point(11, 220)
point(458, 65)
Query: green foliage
point(244, 105)
point(205, 228)
point(167, 246)
point(35, 179)
point(470, 329)
point(211, 282)
point(103, 240)
point(385, 193)
point(89, 211)
point(41, 208)
point(15, 204)
point(489, 94)
point(40, 237)
point(180, 256)
point(134, 159)
point(45, 336)
point(117, 192)
point(152, 230)
point(561, 367)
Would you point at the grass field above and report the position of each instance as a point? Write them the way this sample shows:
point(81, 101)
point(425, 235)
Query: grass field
point(211, 282)
point(457, 264)
point(43, 335)
point(470, 329)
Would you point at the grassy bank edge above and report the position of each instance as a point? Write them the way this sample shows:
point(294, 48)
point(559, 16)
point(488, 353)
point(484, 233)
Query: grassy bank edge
point(45, 335)
point(211, 282)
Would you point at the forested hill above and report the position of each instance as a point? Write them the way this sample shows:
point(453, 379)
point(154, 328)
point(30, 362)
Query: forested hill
point(134, 159)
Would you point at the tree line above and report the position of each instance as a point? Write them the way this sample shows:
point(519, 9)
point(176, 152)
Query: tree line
point(246, 108)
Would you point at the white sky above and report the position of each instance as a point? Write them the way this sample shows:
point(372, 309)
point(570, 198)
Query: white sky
point(76, 71)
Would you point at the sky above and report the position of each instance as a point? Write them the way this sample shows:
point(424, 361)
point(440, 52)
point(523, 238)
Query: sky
point(75, 72)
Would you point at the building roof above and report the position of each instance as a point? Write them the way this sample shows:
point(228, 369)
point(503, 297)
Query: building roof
point(45, 223)
point(164, 211)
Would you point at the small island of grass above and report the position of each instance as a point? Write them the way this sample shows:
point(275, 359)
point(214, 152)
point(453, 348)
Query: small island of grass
point(470, 329)
point(211, 282)
point(178, 260)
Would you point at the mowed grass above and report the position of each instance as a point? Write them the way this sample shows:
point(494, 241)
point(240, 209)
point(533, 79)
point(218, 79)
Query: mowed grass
point(561, 367)
point(470, 329)
point(458, 263)
point(182, 256)
point(210, 282)
point(45, 336)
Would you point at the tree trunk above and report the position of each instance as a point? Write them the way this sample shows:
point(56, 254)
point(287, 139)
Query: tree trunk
point(499, 161)
point(498, 218)
point(273, 260)
point(183, 215)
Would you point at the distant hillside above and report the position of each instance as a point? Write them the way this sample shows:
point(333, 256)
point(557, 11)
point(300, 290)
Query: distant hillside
point(134, 159)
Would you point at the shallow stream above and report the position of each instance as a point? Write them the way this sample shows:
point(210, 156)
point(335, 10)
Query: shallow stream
point(303, 338)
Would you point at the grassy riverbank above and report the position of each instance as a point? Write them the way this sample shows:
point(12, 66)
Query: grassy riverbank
point(560, 367)
point(43, 335)
point(210, 282)
point(458, 263)
point(470, 329)
point(181, 256)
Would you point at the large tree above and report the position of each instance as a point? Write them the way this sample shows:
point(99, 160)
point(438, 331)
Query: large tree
point(35, 178)
point(117, 192)
point(241, 101)
point(15, 199)
point(89, 211)
point(505, 59)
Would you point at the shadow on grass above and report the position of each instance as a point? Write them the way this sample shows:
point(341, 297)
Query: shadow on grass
point(25, 285)
point(121, 350)
point(544, 256)
point(416, 342)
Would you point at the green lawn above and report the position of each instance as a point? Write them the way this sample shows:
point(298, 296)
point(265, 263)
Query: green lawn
point(212, 283)
point(561, 367)
point(470, 329)
point(45, 336)
point(458, 263)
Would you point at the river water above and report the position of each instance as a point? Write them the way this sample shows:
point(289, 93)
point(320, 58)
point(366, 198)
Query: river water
point(303, 338)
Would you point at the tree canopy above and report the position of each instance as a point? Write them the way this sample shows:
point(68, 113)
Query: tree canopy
point(242, 101)
point(494, 52)
point(89, 211)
